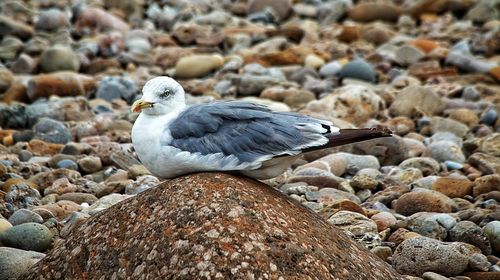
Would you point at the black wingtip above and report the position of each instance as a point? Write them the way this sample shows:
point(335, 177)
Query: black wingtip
point(353, 135)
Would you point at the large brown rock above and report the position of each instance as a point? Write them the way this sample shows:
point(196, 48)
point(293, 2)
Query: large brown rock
point(209, 225)
point(423, 201)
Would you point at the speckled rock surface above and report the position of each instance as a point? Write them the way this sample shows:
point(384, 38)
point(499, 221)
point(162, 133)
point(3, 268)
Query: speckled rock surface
point(209, 225)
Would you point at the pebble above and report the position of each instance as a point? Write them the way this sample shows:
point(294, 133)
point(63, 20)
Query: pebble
point(61, 186)
point(16, 28)
point(453, 186)
point(426, 165)
point(111, 88)
point(316, 177)
point(446, 151)
point(423, 71)
point(439, 124)
point(67, 163)
point(137, 170)
point(76, 219)
point(465, 116)
point(22, 196)
point(415, 100)
point(197, 65)
point(59, 58)
point(60, 209)
point(489, 117)
point(142, 183)
point(486, 184)
point(468, 232)
point(433, 276)
point(491, 144)
point(353, 222)
point(23, 216)
point(344, 101)
point(358, 69)
point(406, 55)
point(328, 210)
point(247, 84)
point(90, 164)
point(52, 20)
point(421, 254)
point(434, 225)
point(329, 196)
point(400, 235)
point(382, 252)
point(313, 61)
point(282, 8)
point(14, 262)
point(330, 69)
point(405, 176)
point(479, 262)
point(423, 201)
point(356, 163)
point(492, 230)
point(384, 220)
point(105, 202)
point(363, 182)
point(52, 131)
point(78, 198)
point(485, 163)
point(28, 236)
point(4, 225)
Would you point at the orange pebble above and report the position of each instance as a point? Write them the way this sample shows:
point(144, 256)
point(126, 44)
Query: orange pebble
point(425, 45)
point(495, 72)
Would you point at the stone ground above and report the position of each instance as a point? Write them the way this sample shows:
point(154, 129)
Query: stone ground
point(425, 201)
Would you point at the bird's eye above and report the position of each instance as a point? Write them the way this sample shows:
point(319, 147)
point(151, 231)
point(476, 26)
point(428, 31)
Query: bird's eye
point(165, 93)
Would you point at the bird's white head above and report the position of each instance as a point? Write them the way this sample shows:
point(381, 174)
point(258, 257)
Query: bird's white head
point(160, 95)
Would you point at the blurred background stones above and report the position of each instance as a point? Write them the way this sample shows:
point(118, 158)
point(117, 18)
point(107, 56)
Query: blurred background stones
point(428, 70)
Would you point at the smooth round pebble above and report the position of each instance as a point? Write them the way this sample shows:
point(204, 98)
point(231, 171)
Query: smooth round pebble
point(492, 230)
point(330, 69)
point(14, 262)
point(23, 216)
point(52, 131)
point(28, 236)
point(67, 163)
point(421, 254)
point(59, 58)
point(4, 225)
point(358, 69)
point(446, 150)
point(90, 164)
point(423, 201)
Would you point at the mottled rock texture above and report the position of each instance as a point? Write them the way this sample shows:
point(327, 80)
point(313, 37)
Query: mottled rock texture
point(209, 225)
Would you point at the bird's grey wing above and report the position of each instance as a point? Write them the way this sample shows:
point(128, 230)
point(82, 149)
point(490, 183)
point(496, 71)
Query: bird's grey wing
point(250, 132)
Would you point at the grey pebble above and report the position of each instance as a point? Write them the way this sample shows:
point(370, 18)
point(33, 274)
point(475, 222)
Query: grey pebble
point(23, 216)
point(14, 262)
point(358, 69)
point(28, 236)
point(52, 131)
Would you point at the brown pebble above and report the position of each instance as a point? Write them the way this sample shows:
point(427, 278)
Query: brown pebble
point(42, 148)
point(400, 235)
point(365, 12)
point(423, 201)
point(486, 184)
point(61, 84)
point(453, 187)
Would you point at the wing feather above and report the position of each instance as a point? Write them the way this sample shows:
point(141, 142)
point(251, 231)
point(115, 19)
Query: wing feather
point(250, 132)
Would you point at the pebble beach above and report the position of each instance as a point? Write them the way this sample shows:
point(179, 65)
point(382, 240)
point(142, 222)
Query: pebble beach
point(426, 200)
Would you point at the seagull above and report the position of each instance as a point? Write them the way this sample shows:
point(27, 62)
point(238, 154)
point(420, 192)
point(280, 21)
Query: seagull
point(172, 139)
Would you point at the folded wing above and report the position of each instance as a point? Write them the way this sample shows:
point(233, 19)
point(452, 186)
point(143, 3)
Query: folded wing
point(249, 132)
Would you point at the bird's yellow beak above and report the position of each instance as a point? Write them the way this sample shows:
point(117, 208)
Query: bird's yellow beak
point(141, 104)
